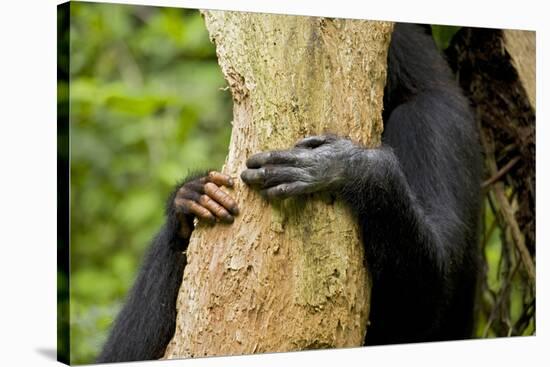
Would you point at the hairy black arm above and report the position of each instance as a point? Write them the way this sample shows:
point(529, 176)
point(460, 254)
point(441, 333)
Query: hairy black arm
point(430, 169)
point(417, 202)
point(147, 320)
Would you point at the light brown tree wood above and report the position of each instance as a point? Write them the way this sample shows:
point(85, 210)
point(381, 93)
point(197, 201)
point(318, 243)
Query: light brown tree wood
point(285, 276)
point(521, 45)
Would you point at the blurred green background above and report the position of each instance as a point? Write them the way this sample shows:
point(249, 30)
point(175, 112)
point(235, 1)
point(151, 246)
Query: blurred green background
point(147, 104)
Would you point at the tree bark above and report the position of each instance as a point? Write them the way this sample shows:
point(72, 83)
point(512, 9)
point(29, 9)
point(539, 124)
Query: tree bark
point(521, 46)
point(285, 276)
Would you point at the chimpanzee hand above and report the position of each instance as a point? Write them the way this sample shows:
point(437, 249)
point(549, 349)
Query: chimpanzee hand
point(315, 163)
point(203, 198)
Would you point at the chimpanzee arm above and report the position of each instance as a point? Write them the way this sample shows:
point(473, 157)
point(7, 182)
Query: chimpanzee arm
point(417, 202)
point(147, 320)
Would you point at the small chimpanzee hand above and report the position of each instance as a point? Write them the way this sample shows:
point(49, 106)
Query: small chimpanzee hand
point(315, 163)
point(203, 198)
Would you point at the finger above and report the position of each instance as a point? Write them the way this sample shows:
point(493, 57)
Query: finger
point(221, 197)
point(273, 175)
point(192, 207)
point(215, 208)
point(253, 176)
point(286, 190)
point(272, 157)
point(278, 175)
point(220, 179)
point(312, 141)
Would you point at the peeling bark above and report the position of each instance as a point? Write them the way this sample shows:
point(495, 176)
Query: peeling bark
point(285, 276)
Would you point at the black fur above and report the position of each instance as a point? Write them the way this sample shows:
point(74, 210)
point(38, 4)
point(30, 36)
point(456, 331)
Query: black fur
point(417, 199)
point(147, 321)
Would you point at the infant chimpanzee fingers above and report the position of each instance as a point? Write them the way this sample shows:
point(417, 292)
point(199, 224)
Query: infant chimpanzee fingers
point(191, 207)
point(191, 191)
point(218, 210)
point(195, 186)
point(220, 179)
point(204, 199)
point(217, 194)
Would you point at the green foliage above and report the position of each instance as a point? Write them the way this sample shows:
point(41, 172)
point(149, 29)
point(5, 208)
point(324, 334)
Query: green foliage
point(147, 107)
point(506, 301)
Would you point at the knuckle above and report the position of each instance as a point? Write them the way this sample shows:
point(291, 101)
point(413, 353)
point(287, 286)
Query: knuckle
point(187, 193)
point(247, 176)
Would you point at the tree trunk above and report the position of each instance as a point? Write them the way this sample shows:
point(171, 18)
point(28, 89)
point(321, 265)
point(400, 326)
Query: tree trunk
point(521, 46)
point(285, 276)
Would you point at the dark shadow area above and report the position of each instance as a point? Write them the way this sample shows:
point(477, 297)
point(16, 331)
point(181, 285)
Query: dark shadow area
point(49, 353)
point(63, 329)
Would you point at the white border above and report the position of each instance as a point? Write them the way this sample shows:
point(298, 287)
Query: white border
point(28, 181)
